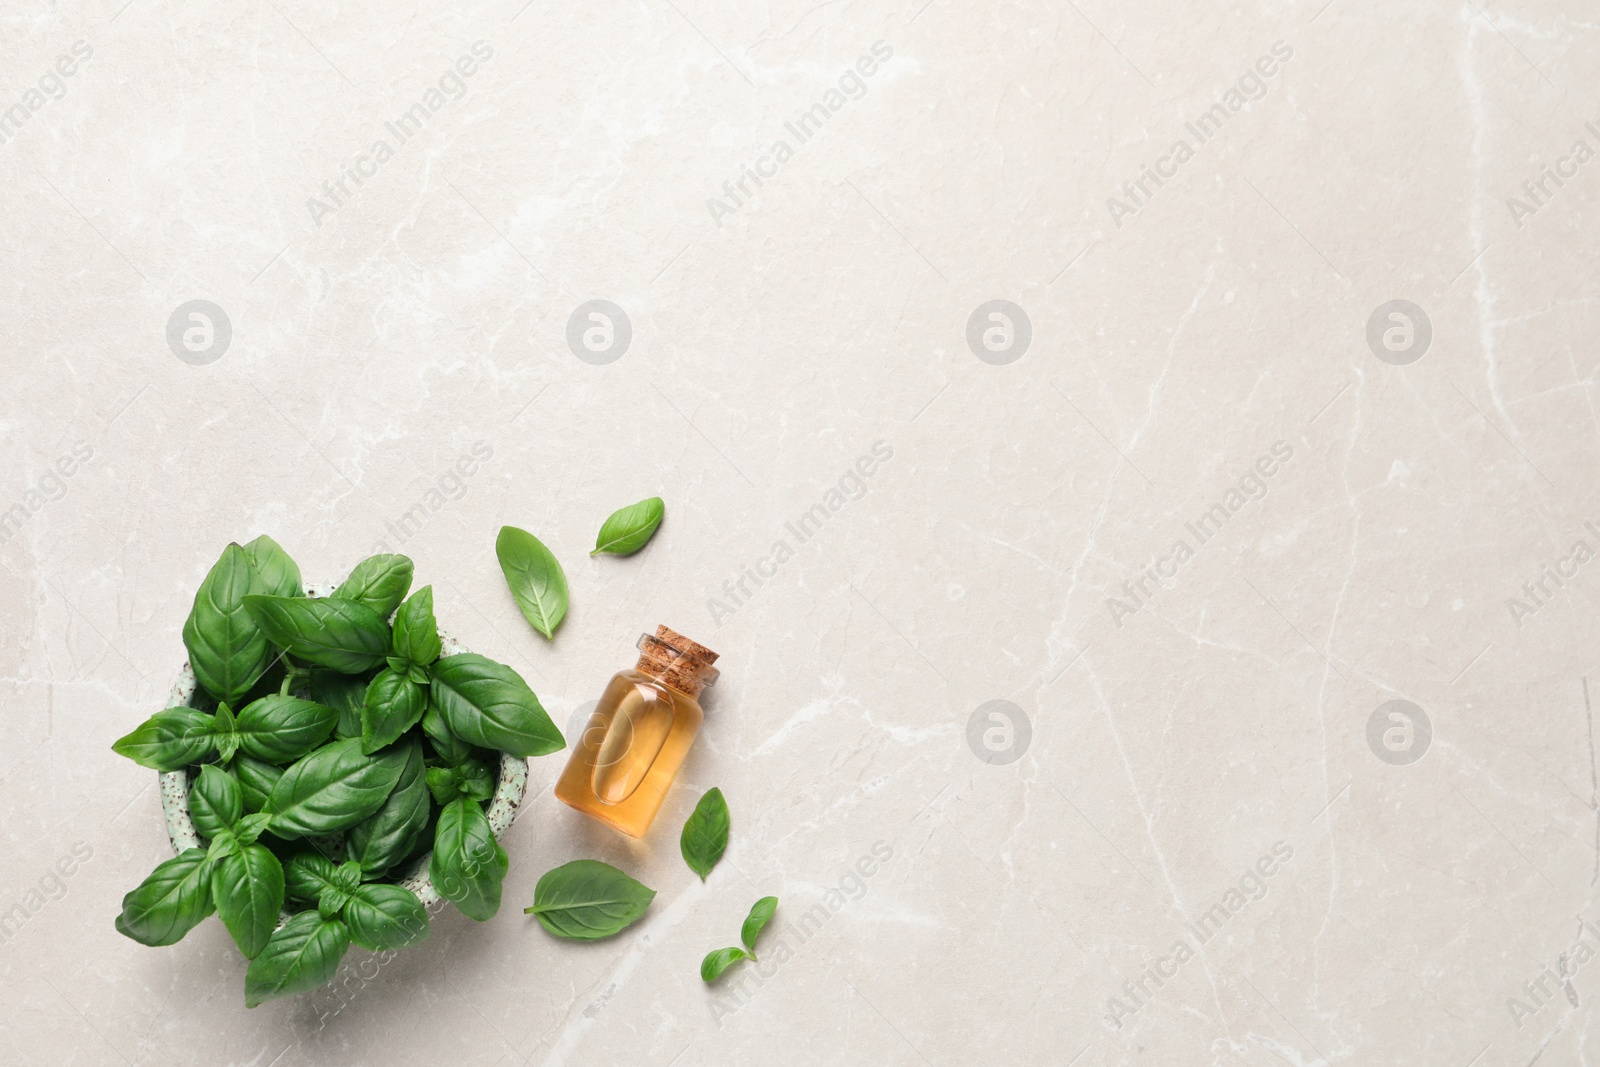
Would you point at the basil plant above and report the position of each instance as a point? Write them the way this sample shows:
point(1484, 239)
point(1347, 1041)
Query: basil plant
point(330, 746)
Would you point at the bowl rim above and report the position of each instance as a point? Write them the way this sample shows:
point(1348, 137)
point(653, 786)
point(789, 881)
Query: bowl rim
point(510, 788)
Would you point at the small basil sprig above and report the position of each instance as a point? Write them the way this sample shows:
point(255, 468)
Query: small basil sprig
point(305, 952)
point(396, 699)
point(586, 900)
point(537, 582)
point(275, 729)
point(630, 528)
point(470, 778)
point(236, 877)
point(705, 835)
point(715, 963)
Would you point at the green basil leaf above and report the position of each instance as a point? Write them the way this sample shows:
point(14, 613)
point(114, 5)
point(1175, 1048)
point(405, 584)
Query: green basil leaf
point(342, 634)
point(760, 914)
point(416, 631)
point(279, 575)
point(225, 730)
point(348, 875)
point(332, 903)
point(472, 779)
point(169, 740)
point(468, 864)
point(394, 705)
point(215, 801)
point(333, 788)
point(627, 530)
point(227, 649)
point(715, 963)
point(224, 845)
point(344, 693)
point(447, 745)
point(300, 956)
point(309, 876)
point(248, 890)
point(257, 779)
point(489, 705)
point(586, 900)
point(705, 835)
point(380, 582)
point(538, 584)
point(281, 729)
point(390, 834)
point(382, 917)
point(250, 828)
point(172, 901)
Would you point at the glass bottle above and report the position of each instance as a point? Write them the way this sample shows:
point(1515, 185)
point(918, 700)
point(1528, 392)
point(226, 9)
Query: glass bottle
point(639, 733)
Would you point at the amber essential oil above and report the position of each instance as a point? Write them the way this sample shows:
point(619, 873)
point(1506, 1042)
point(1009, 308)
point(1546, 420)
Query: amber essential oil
point(639, 734)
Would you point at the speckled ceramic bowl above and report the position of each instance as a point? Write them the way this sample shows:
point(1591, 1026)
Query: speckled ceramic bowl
point(502, 809)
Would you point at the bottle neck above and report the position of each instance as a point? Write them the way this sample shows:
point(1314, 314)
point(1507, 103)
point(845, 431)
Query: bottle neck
point(675, 661)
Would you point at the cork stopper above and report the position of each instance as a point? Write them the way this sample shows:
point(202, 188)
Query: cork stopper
point(670, 657)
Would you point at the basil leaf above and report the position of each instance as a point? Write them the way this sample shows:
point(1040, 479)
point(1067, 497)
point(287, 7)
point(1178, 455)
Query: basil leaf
point(172, 901)
point(257, 778)
point(342, 634)
point(468, 864)
point(278, 574)
point(472, 779)
point(489, 705)
point(333, 788)
point(169, 740)
point(309, 876)
point(586, 900)
point(383, 917)
point(225, 732)
point(380, 582)
point(347, 875)
point(224, 845)
point(705, 835)
point(344, 693)
point(760, 914)
point(250, 828)
point(281, 729)
point(394, 705)
point(227, 649)
point(248, 890)
point(416, 631)
point(389, 834)
point(215, 801)
point(627, 530)
point(715, 963)
point(301, 955)
point(537, 582)
point(447, 745)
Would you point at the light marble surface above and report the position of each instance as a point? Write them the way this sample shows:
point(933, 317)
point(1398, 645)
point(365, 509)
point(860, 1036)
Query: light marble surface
point(1177, 734)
